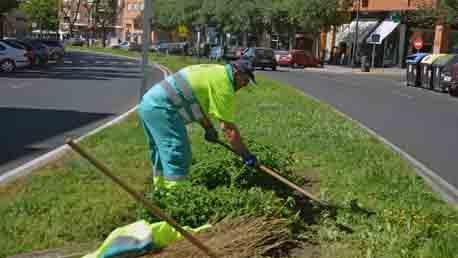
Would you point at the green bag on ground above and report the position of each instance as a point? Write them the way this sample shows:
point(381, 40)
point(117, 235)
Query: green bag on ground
point(139, 238)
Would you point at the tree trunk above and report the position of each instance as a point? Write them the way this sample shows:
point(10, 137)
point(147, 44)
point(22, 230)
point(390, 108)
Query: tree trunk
point(104, 36)
point(2, 24)
point(292, 37)
point(71, 29)
point(245, 39)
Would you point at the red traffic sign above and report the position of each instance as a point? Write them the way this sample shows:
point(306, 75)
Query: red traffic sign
point(418, 43)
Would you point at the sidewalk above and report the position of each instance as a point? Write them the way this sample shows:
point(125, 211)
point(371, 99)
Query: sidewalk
point(392, 71)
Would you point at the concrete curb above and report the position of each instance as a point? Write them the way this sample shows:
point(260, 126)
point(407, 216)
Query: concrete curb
point(448, 192)
point(57, 153)
point(355, 71)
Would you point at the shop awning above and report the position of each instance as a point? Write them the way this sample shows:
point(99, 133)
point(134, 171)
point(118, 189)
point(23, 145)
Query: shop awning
point(384, 29)
point(347, 32)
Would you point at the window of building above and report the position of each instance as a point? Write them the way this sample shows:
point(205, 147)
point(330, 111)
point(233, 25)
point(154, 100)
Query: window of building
point(129, 7)
point(142, 6)
point(365, 3)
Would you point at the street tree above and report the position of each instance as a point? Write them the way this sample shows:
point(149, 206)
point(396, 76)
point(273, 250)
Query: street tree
point(105, 14)
point(5, 7)
point(43, 13)
point(70, 11)
point(429, 13)
point(260, 17)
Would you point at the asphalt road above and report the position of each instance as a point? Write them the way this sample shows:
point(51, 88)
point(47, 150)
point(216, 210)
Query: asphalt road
point(421, 122)
point(40, 107)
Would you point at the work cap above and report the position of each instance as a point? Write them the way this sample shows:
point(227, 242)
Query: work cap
point(245, 66)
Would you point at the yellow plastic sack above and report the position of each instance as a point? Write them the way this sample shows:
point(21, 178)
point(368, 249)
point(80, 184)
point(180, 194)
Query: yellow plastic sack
point(138, 238)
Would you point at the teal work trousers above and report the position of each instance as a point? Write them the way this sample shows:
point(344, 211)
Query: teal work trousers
point(165, 130)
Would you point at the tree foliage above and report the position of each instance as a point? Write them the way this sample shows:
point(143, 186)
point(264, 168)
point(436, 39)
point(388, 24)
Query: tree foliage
point(44, 13)
point(256, 15)
point(70, 10)
point(105, 13)
point(442, 11)
point(7, 5)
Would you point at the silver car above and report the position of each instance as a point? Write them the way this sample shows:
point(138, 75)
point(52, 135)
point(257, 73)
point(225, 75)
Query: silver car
point(12, 57)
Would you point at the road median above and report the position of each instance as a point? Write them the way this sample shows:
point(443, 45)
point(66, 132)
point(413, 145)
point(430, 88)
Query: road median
point(68, 202)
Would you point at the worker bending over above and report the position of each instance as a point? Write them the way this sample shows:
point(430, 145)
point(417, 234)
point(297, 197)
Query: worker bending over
point(193, 94)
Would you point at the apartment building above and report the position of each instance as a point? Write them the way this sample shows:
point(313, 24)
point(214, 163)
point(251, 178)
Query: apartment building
point(82, 18)
point(128, 25)
point(132, 20)
point(384, 21)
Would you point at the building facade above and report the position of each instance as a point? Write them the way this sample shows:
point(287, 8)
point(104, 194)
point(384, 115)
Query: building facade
point(127, 26)
point(385, 36)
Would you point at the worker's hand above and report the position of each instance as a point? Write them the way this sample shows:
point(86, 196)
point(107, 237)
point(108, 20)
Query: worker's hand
point(250, 160)
point(211, 135)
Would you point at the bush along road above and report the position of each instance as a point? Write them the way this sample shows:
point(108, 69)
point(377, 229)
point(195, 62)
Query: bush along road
point(386, 210)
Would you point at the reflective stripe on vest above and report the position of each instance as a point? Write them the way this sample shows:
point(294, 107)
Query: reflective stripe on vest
point(187, 99)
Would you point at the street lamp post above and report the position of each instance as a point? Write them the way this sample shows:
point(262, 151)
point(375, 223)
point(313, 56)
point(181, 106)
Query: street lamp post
point(355, 42)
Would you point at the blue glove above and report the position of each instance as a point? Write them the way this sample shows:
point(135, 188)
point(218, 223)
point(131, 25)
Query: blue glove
point(250, 160)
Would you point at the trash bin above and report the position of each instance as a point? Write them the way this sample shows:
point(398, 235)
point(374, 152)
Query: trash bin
point(442, 72)
point(453, 85)
point(426, 70)
point(365, 66)
point(413, 69)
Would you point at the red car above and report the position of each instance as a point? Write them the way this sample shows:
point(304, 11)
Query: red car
point(296, 58)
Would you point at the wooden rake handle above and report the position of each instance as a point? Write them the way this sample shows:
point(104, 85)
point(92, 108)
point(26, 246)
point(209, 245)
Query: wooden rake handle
point(279, 177)
point(151, 207)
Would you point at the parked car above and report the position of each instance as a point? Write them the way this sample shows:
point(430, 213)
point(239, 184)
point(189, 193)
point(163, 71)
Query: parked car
point(295, 58)
point(453, 81)
point(40, 51)
point(76, 42)
point(123, 45)
point(22, 45)
point(261, 57)
point(173, 48)
point(13, 56)
point(283, 57)
point(56, 49)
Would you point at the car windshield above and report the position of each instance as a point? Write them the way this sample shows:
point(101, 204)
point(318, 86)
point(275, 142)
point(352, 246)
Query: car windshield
point(14, 44)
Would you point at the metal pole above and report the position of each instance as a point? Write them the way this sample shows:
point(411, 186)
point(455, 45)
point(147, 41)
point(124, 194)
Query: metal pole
point(355, 43)
point(147, 13)
point(373, 55)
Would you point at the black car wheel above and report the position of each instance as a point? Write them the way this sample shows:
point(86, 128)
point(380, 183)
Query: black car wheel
point(7, 66)
point(274, 68)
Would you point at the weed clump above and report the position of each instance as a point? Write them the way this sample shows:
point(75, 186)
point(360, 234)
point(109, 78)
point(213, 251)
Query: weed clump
point(221, 186)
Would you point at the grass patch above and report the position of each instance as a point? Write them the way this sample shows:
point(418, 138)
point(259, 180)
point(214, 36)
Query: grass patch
point(70, 202)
